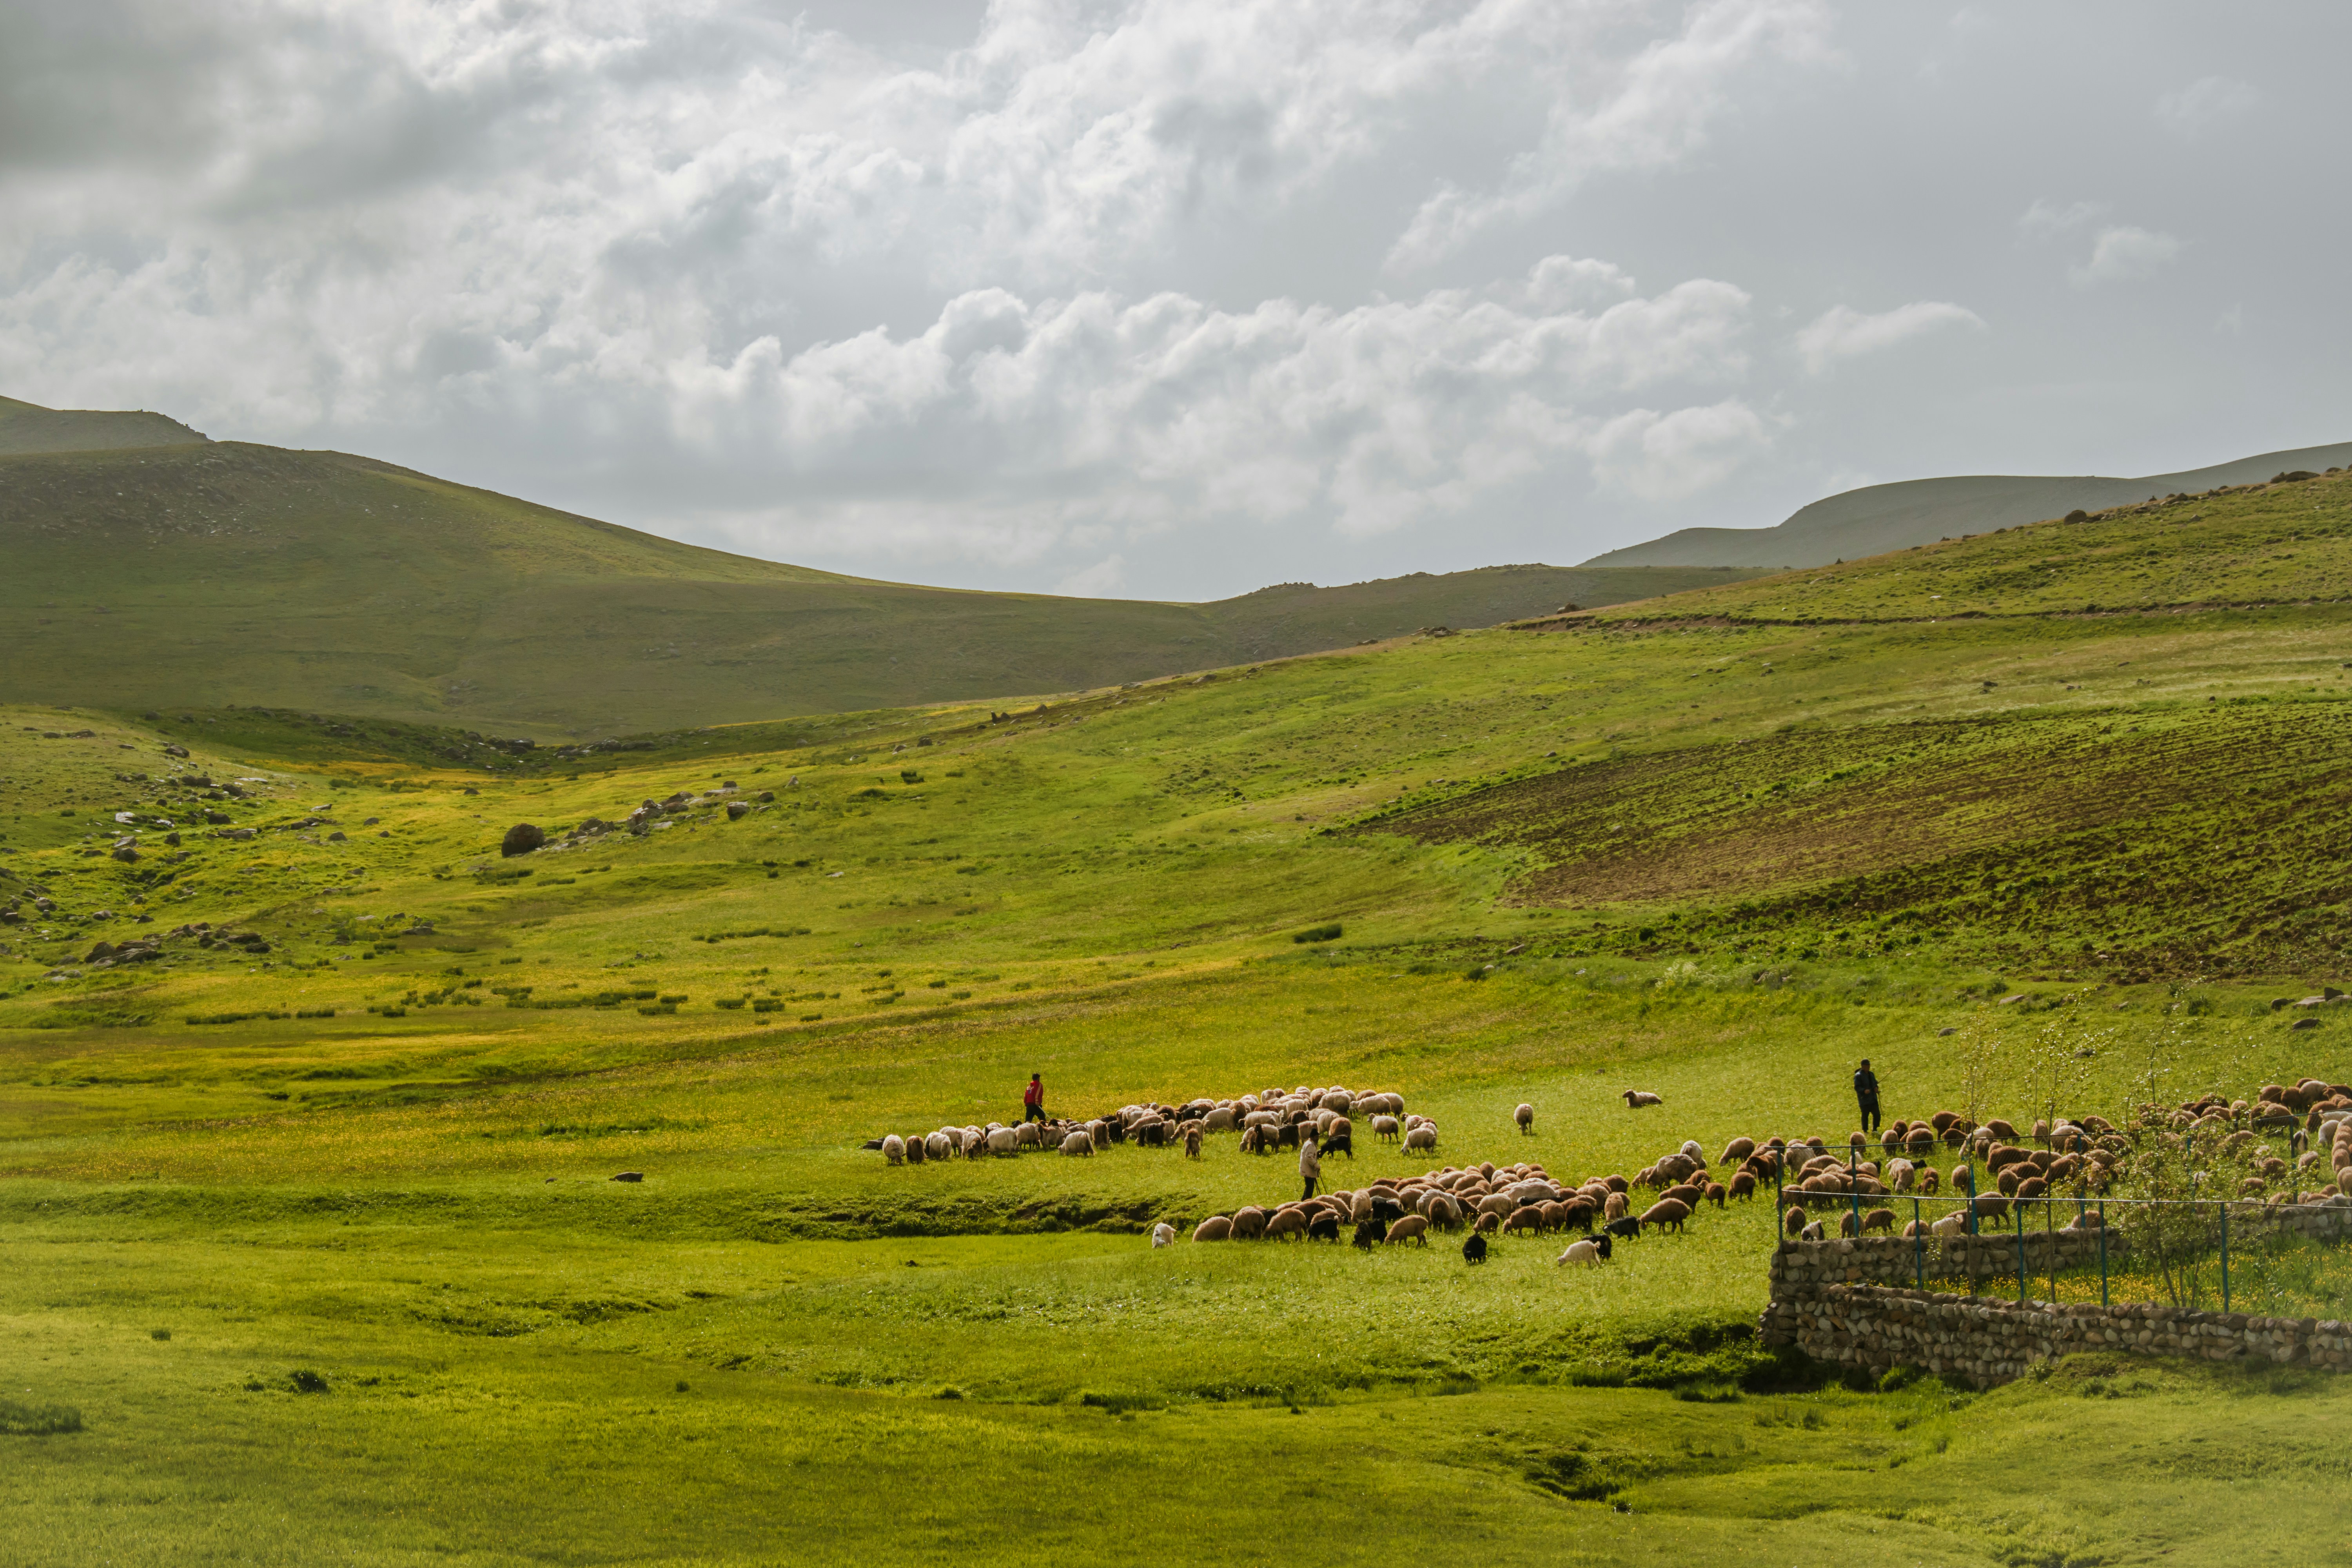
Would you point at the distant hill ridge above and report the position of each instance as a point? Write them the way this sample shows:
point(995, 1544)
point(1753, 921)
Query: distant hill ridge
point(29, 427)
point(148, 566)
point(1879, 517)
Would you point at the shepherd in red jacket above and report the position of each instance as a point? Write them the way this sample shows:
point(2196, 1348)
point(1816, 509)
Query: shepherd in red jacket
point(1032, 1101)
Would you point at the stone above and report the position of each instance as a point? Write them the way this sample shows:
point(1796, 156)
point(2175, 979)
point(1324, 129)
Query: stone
point(522, 839)
point(737, 810)
point(630, 1176)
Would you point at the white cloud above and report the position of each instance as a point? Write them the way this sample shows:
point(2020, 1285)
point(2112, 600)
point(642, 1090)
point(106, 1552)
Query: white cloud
point(2045, 218)
point(2206, 105)
point(1103, 580)
point(1670, 456)
point(2124, 255)
point(1651, 111)
point(1841, 332)
point(1161, 413)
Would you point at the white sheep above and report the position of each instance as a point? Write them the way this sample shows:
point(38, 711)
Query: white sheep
point(1004, 1141)
point(1951, 1224)
point(1163, 1234)
point(1692, 1153)
point(1079, 1143)
point(1385, 1128)
point(893, 1149)
point(939, 1146)
point(1421, 1137)
point(1525, 1117)
point(1587, 1252)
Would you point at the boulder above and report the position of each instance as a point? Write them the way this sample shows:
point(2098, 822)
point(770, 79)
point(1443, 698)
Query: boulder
point(522, 839)
point(175, 751)
point(737, 810)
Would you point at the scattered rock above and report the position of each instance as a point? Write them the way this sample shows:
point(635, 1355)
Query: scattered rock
point(521, 839)
point(737, 810)
point(335, 839)
point(175, 751)
point(630, 1176)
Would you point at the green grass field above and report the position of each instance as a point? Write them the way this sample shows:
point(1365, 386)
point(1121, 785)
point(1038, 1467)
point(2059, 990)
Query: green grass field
point(314, 1253)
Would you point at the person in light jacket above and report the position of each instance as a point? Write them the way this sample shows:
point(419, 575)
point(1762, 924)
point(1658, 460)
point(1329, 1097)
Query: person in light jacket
point(1310, 1164)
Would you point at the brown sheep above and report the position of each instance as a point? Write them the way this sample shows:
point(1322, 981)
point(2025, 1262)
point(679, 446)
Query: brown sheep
point(1487, 1224)
point(1990, 1207)
point(1529, 1219)
point(1929, 1180)
point(1411, 1227)
point(1795, 1218)
point(1736, 1149)
point(1193, 1142)
point(1286, 1222)
point(1743, 1185)
point(1525, 1117)
point(1249, 1224)
point(1616, 1207)
point(1686, 1193)
point(1667, 1211)
point(1878, 1219)
point(1715, 1194)
point(2030, 1189)
point(1216, 1228)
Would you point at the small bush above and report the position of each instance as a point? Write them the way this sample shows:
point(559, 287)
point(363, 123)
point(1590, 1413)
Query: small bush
point(1328, 933)
point(307, 1382)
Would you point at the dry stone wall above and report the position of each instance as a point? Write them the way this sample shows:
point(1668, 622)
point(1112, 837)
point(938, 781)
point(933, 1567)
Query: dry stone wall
point(1827, 1302)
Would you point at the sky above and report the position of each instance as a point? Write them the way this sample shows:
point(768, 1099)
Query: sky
point(1174, 300)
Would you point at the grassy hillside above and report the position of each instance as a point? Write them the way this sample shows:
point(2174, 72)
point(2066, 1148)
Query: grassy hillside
point(360, 1176)
point(28, 427)
point(1879, 518)
point(219, 573)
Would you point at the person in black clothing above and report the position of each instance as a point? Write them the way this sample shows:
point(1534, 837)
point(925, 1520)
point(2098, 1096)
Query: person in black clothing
point(1865, 1089)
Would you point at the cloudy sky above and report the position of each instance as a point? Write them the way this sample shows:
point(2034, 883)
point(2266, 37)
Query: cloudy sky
point(1173, 298)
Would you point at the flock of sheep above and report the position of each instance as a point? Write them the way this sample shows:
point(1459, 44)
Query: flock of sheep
point(2084, 1155)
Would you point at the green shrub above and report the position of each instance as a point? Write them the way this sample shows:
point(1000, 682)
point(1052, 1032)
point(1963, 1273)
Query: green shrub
point(1327, 932)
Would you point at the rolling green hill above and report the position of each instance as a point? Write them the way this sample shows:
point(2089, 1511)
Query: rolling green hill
point(211, 574)
point(1879, 518)
point(435, 1196)
point(28, 427)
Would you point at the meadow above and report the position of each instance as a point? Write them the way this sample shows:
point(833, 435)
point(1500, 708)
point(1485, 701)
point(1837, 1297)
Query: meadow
point(314, 1251)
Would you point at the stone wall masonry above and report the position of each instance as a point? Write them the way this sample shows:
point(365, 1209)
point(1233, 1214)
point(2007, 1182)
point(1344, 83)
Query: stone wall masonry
point(1845, 1301)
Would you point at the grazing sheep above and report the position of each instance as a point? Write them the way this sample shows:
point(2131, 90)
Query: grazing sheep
point(1079, 1143)
point(1421, 1137)
point(1715, 1194)
point(1615, 1207)
point(937, 1146)
point(1588, 1252)
point(1687, 1194)
point(1530, 1218)
point(1283, 1222)
point(1249, 1224)
point(1929, 1180)
point(1216, 1228)
point(1474, 1249)
point(1637, 1097)
point(1221, 1120)
point(1411, 1227)
point(1487, 1224)
point(1878, 1219)
point(1193, 1142)
point(1029, 1135)
point(1669, 1211)
point(1324, 1227)
point(1163, 1234)
point(1813, 1233)
point(1384, 1128)
point(1990, 1207)
point(1739, 1149)
point(1628, 1228)
point(893, 1149)
point(1950, 1225)
point(1004, 1142)
point(1794, 1220)
point(1368, 1231)
point(1525, 1117)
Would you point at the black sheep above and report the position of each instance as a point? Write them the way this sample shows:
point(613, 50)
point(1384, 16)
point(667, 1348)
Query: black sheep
point(1628, 1227)
point(1385, 1209)
point(1340, 1143)
point(1324, 1227)
point(1475, 1249)
point(1368, 1234)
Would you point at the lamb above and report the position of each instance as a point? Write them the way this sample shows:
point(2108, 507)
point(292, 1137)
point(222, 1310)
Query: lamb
point(1951, 1224)
point(1411, 1227)
point(1637, 1097)
point(1715, 1194)
point(893, 1149)
point(1615, 1207)
point(1588, 1252)
point(1216, 1228)
point(1525, 1117)
point(1079, 1143)
point(1163, 1234)
point(1813, 1232)
point(1324, 1227)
